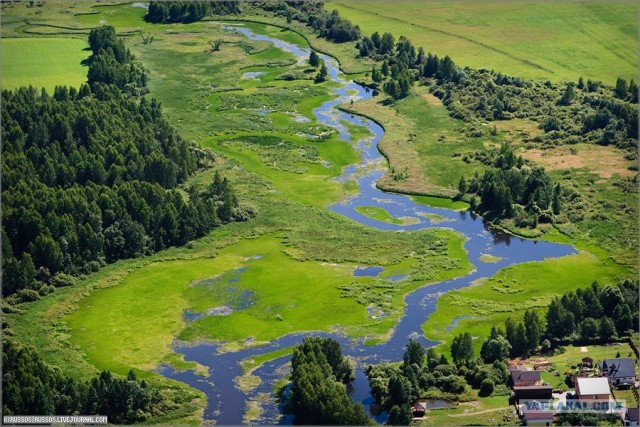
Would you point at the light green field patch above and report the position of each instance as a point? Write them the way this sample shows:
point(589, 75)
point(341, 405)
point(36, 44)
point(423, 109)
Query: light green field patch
point(441, 202)
point(119, 16)
point(490, 258)
point(551, 40)
point(530, 285)
point(434, 218)
point(379, 214)
point(43, 62)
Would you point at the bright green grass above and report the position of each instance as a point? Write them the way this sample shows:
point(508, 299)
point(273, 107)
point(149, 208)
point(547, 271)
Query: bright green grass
point(118, 16)
point(102, 326)
point(43, 62)
point(441, 202)
point(483, 411)
point(551, 40)
point(524, 286)
point(378, 214)
point(251, 363)
point(489, 258)
point(313, 187)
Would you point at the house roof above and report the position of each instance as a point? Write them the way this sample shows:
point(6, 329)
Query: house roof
point(633, 414)
point(618, 368)
point(534, 387)
point(526, 376)
point(538, 415)
point(593, 386)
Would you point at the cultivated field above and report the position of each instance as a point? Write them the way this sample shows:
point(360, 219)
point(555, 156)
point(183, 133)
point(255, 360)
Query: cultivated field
point(549, 40)
point(43, 62)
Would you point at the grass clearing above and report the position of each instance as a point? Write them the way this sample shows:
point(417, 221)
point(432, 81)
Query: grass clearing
point(604, 161)
point(528, 285)
point(551, 40)
point(378, 214)
point(43, 62)
point(571, 358)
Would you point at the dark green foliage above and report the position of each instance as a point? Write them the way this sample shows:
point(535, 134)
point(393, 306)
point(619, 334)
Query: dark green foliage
point(568, 95)
point(322, 74)
point(594, 314)
point(513, 190)
point(400, 415)
point(326, 24)
point(414, 354)
point(90, 180)
point(30, 386)
point(314, 59)
point(486, 388)
point(497, 348)
point(111, 64)
point(318, 395)
point(188, 11)
point(462, 348)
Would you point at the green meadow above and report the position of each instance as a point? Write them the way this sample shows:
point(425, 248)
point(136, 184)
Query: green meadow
point(43, 62)
point(526, 286)
point(550, 40)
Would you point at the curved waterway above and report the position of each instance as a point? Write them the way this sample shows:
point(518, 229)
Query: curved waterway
point(226, 403)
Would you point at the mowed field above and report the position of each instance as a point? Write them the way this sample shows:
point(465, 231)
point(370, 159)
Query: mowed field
point(543, 40)
point(43, 62)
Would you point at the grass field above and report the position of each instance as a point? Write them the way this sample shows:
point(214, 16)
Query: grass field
point(550, 40)
point(529, 285)
point(43, 62)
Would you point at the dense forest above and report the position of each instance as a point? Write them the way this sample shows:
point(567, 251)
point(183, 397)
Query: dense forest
point(188, 11)
point(90, 176)
point(318, 393)
point(30, 386)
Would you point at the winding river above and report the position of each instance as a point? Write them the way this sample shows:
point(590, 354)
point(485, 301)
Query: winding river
point(226, 403)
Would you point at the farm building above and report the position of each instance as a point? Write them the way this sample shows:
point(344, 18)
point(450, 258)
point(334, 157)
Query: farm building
point(619, 371)
point(419, 409)
point(525, 378)
point(592, 388)
point(631, 417)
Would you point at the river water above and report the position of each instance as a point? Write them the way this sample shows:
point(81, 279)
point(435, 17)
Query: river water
point(226, 403)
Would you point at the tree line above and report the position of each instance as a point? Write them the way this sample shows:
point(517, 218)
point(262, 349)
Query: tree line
point(568, 113)
point(30, 386)
point(112, 64)
point(588, 315)
point(90, 176)
point(329, 25)
point(318, 393)
point(188, 11)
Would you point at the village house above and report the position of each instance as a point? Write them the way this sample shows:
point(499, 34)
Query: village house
point(618, 371)
point(592, 388)
point(631, 417)
point(525, 378)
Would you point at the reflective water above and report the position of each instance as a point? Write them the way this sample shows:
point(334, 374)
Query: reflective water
point(226, 404)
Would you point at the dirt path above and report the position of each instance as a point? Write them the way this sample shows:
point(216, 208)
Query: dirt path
point(485, 411)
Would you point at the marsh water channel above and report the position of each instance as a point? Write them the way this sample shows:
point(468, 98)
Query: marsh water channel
point(226, 403)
